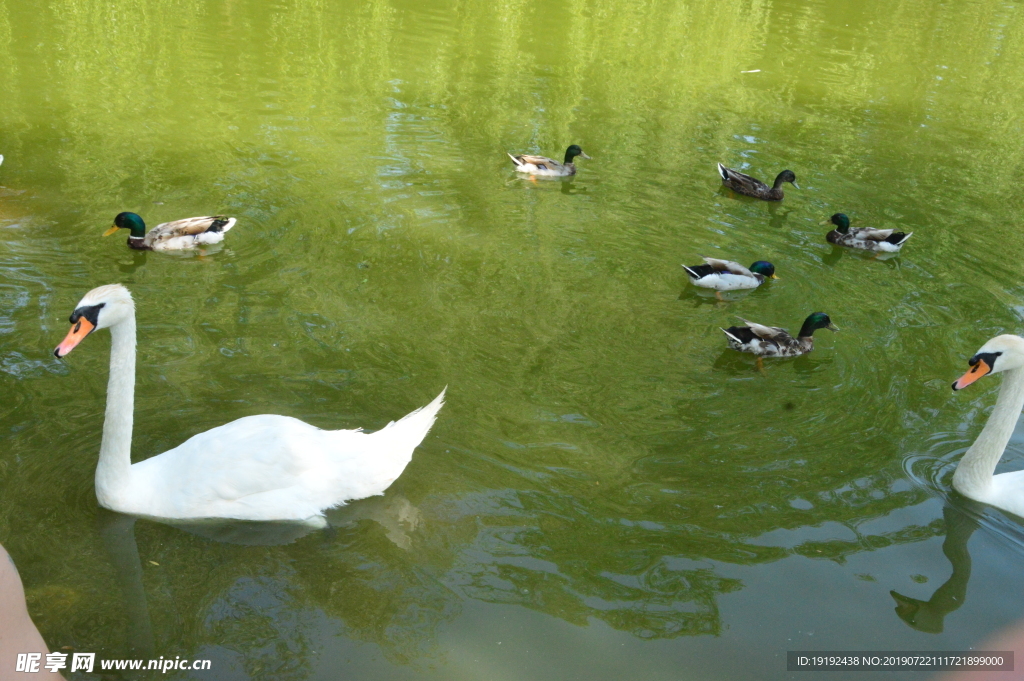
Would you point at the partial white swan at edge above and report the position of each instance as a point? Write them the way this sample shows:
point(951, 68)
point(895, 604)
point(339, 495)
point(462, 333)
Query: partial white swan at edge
point(974, 475)
point(265, 467)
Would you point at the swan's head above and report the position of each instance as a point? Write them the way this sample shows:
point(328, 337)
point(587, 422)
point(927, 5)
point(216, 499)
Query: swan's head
point(101, 307)
point(1002, 353)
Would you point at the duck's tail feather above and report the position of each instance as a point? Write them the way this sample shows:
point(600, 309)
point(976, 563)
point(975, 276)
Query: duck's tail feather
point(740, 334)
point(515, 160)
point(722, 171)
point(219, 225)
point(730, 334)
point(691, 273)
point(899, 238)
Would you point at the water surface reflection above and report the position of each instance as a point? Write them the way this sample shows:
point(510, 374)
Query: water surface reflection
point(606, 472)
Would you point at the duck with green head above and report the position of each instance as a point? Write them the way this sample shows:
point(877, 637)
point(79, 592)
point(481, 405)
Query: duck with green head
point(751, 186)
point(771, 341)
point(546, 167)
point(172, 236)
point(865, 238)
point(725, 275)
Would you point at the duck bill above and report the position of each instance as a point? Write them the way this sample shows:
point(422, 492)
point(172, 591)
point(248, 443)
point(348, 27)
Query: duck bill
point(82, 328)
point(832, 327)
point(110, 231)
point(795, 184)
point(976, 372)
point(826, 221)
point(774, 277)
point(582, 155)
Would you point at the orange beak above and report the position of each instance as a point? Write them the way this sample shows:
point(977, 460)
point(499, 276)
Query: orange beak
point(82, 328)
point(110, 231)
point(976, 372)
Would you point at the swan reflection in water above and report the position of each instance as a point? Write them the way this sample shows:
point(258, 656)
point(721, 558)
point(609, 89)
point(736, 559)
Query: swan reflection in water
point(394, 512)
point(928, 616)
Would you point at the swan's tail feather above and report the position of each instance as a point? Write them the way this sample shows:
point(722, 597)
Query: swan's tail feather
point(414, 426)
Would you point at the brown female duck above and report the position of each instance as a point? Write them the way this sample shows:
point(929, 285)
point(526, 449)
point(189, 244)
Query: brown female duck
point(751, 186)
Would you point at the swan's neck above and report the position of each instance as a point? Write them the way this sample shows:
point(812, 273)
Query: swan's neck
point(114, 469)
point(973, 476)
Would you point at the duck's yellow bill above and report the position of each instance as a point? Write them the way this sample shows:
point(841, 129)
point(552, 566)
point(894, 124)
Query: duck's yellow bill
point(82, 328)
point(110, 231)
point(976, 372)
point(774, 277)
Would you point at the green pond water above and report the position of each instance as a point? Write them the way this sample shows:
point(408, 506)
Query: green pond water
point(609, 492)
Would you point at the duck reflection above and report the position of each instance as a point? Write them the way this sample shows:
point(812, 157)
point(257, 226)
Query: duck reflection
point(833, 258)
point(703, 296)
point(778, 214)
point(132, 261)
point(569, 187)
point(928, 616)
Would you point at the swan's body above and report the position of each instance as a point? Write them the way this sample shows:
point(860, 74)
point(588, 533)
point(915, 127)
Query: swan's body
point(751, 186)
point(172, 236)
point(865, 238)
point(265, 467)
point(974, 476)
point(725, 275)
point(544, 166)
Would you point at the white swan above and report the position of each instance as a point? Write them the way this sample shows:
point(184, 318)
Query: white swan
point(974, 475)
point(265, 467)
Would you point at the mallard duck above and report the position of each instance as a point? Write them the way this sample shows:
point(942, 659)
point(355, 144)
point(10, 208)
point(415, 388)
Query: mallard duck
point(725, 275)
point(542, 165)
point(884, 240)
point(751, 186)
point(265, 467)
point(172, 236)
point(771, 341)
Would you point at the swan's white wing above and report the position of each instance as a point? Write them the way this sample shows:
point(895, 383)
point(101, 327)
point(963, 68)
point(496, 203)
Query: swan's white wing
point(1007, 492)
point(229, 470)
